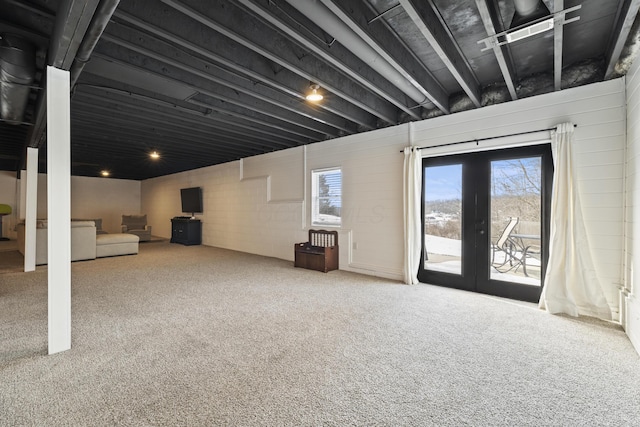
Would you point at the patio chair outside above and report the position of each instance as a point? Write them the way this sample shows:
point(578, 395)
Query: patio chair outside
point(505, 245)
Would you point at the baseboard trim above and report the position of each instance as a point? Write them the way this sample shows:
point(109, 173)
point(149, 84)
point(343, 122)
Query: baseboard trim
point(632, 312)
point(374, 270)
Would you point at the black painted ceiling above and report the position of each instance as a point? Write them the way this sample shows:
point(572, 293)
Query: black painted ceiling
point(207, 82)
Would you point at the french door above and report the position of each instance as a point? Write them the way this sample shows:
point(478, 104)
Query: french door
point(486, 221)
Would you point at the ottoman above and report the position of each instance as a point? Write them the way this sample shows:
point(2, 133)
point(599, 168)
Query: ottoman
point(116, 244)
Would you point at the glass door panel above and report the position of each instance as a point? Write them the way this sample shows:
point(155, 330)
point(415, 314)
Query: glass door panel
point(443, 218)
point(516, 218)
point(486, 221)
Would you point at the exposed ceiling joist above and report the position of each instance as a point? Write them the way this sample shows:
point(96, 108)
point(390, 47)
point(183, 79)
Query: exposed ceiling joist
point(187, 126)
point(558, 43)
point(73, 19)
point(378, 34)
point(198, 76)
point(204, 119)
point(364, 70)
point(429, 24)
point(248, 64)
point(211, 82)
point(224, 94)
point(491, 20)
point(626, 15)
point(255, 35)
point(276, 86)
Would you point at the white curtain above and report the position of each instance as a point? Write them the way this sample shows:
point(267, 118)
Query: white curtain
point(571, 285)
point(412, 188)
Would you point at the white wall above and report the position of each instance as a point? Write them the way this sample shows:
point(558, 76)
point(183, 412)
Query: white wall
point(630, 299)
point(93, 197)
point(599, 111)
point(243, 214)
point(8, 196)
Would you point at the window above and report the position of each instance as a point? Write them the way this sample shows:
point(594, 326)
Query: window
point(326, 197)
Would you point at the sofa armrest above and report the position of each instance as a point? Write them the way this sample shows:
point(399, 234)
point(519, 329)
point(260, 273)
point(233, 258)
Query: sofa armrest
point(147, 228)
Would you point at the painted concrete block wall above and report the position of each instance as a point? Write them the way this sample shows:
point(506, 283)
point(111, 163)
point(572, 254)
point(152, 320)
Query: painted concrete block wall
point(372, 224)
point(239, 216)
point(630, 298)
point(93, 197)
point(9, 196)
point(237, 213)
point(109, 199)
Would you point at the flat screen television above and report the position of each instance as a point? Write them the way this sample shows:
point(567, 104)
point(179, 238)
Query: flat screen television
point(191, 199)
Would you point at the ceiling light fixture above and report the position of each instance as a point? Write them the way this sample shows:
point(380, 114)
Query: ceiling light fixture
point(154, 155)
point(313, 94)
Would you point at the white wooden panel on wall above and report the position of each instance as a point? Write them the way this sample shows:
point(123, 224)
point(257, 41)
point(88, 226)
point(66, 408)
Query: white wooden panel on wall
point(588, 106)
point(631, 321)
point(279, 167)
point(599, 112)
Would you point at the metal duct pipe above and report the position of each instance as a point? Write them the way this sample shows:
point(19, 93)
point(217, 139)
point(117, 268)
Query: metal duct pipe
point(99, 22)
point(17, 72)
point(528, 11)
point(317, 12)
point(525, 7)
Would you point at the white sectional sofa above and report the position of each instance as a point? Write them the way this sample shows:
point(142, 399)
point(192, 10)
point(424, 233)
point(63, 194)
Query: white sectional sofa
point(86, 243)
point(83, 240)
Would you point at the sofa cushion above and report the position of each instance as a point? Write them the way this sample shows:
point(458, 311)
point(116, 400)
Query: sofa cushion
point(134, 222)
point(77, 224)
point(116, 244)
point(97, 221)
point(110, 239)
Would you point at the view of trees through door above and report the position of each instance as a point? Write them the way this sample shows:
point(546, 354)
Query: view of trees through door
point(516, 193)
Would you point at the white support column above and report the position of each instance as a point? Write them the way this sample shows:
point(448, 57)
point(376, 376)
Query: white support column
point(31, 210)
point(59, 209)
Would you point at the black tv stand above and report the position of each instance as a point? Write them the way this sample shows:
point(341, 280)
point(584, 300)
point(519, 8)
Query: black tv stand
point(186, 230)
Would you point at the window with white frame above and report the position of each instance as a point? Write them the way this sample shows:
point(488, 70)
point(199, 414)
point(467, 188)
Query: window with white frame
point(326, 197)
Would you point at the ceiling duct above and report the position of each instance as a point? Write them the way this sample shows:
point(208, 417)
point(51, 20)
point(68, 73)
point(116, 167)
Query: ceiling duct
point(334, 26)
point(528, 11)
point(17, 72)
point(101, 18)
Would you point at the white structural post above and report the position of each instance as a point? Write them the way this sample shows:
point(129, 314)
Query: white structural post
point(59, 209)
point(31, 210)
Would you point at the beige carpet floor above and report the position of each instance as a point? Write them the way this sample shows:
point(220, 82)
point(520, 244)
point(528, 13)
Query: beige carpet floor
point(199, 336)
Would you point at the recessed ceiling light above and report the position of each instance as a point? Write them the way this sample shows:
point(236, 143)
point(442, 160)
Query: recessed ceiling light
point(105, 173)
point(154, 155)
point(313, 94)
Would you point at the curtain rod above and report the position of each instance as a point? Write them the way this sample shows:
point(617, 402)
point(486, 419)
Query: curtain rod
point(487, 139)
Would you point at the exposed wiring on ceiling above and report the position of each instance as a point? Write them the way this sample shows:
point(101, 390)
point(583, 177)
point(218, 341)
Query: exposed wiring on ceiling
point(380, 15)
